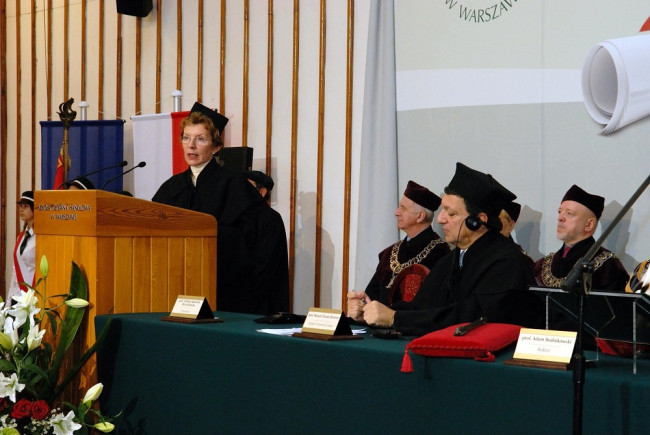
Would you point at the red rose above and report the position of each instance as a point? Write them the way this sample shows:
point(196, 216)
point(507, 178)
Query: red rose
point(40, 409)
point(3, 403)
point(21, 409)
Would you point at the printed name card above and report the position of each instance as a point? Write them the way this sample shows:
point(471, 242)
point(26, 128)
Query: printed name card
point(545, 345)
point(326, 324)
point(322, 321)
point(191, 309)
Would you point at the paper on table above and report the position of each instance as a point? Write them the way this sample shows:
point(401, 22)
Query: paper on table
point(289, 331)
point(616, 81)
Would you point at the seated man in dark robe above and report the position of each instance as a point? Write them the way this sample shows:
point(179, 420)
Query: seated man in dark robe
point(271, 260)
point(577, 219)
point(486, 275)
point(420, 246)
point(508, 217)
point(210, 188)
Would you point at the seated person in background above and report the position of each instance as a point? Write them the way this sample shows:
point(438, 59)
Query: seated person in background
point(485, 275)
point(577, 219)
point(270, 258)
point(508, 217)
point(639, 279)
point(24, 256)
point(420, 246)
point(79, 183)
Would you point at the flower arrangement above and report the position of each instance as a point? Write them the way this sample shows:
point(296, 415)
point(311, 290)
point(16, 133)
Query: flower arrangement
point(30, 378)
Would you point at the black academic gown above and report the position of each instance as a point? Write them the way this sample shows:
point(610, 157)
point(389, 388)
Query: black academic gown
point(233, 201)
point(269, 281)
point(609, 273)
point(493, 282)
point(378, 288)
point(531, 262)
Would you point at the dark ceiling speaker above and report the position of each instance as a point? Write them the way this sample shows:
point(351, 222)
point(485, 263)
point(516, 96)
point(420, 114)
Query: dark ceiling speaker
point(136, 8)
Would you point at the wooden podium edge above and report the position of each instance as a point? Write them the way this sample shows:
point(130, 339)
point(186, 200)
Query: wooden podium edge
point(323, 337)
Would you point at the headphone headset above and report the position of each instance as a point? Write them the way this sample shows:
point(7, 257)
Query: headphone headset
point(473, 223)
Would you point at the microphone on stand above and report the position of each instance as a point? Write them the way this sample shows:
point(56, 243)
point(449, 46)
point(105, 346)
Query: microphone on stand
point(117, 165)
point(139, 165)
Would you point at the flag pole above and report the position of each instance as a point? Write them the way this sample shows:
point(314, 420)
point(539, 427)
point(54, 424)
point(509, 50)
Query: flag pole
point(67, 115)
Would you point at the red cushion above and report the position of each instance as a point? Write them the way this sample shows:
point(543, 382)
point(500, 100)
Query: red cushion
point(479, 343)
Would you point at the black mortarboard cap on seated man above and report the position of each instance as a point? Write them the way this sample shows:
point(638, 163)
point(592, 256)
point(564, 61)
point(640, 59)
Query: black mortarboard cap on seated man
point(217, 118)
point(481, 190)
point(513, 209)
point(261, 179)
point(594, 203)
point(422, 196)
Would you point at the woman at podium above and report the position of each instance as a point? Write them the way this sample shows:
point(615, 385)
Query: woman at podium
point(210, 188)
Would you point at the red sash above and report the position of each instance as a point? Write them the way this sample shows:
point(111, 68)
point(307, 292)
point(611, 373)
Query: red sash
point(19, 265)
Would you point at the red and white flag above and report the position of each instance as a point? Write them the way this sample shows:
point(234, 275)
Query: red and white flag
point(156, 141)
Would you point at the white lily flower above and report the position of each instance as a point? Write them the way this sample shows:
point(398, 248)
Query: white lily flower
point(10, 331)
point(25, 307)
point(63, 424)
point(9, 386)
point(34, 338)
point(93, 393)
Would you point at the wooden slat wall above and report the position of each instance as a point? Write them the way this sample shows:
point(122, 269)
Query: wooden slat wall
point(27, 146)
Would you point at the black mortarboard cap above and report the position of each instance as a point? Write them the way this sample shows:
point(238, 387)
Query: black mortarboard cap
point(513, 209)
point(261, 179)
point(82, 183)
point(594, 203)
point(422, 196)
point(27, 197)
point(480, 190)
point(217, 118)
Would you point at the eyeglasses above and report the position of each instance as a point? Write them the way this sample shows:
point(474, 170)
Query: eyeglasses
point(199, 140)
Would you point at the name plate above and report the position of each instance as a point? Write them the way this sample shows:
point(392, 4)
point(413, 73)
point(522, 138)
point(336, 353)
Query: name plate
point(545, 345)
point(326, 324)
point(322, 321)
point(191, 309)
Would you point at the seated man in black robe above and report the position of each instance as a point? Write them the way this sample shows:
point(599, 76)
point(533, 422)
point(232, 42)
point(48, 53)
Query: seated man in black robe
point(420, 246)
point(210, 188)
point(577, 220)
point(508, 217)
point(485, 275)
point(271, 260)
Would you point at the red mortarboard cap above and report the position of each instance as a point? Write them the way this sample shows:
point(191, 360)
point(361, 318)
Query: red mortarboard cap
point(422, 196)
point(513, 209)
point(480, 189)
point(594, 203)
point(217, 118)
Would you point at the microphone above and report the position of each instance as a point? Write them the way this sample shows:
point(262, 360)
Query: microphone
point(139, 165)
point(117, 165)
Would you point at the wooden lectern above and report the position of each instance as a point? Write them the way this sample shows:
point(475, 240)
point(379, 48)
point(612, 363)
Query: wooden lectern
point(137, 255)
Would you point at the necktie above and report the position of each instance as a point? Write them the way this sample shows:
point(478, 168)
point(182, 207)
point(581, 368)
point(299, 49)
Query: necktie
point(566, 251)
point(24, 243)
point(460, 258)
